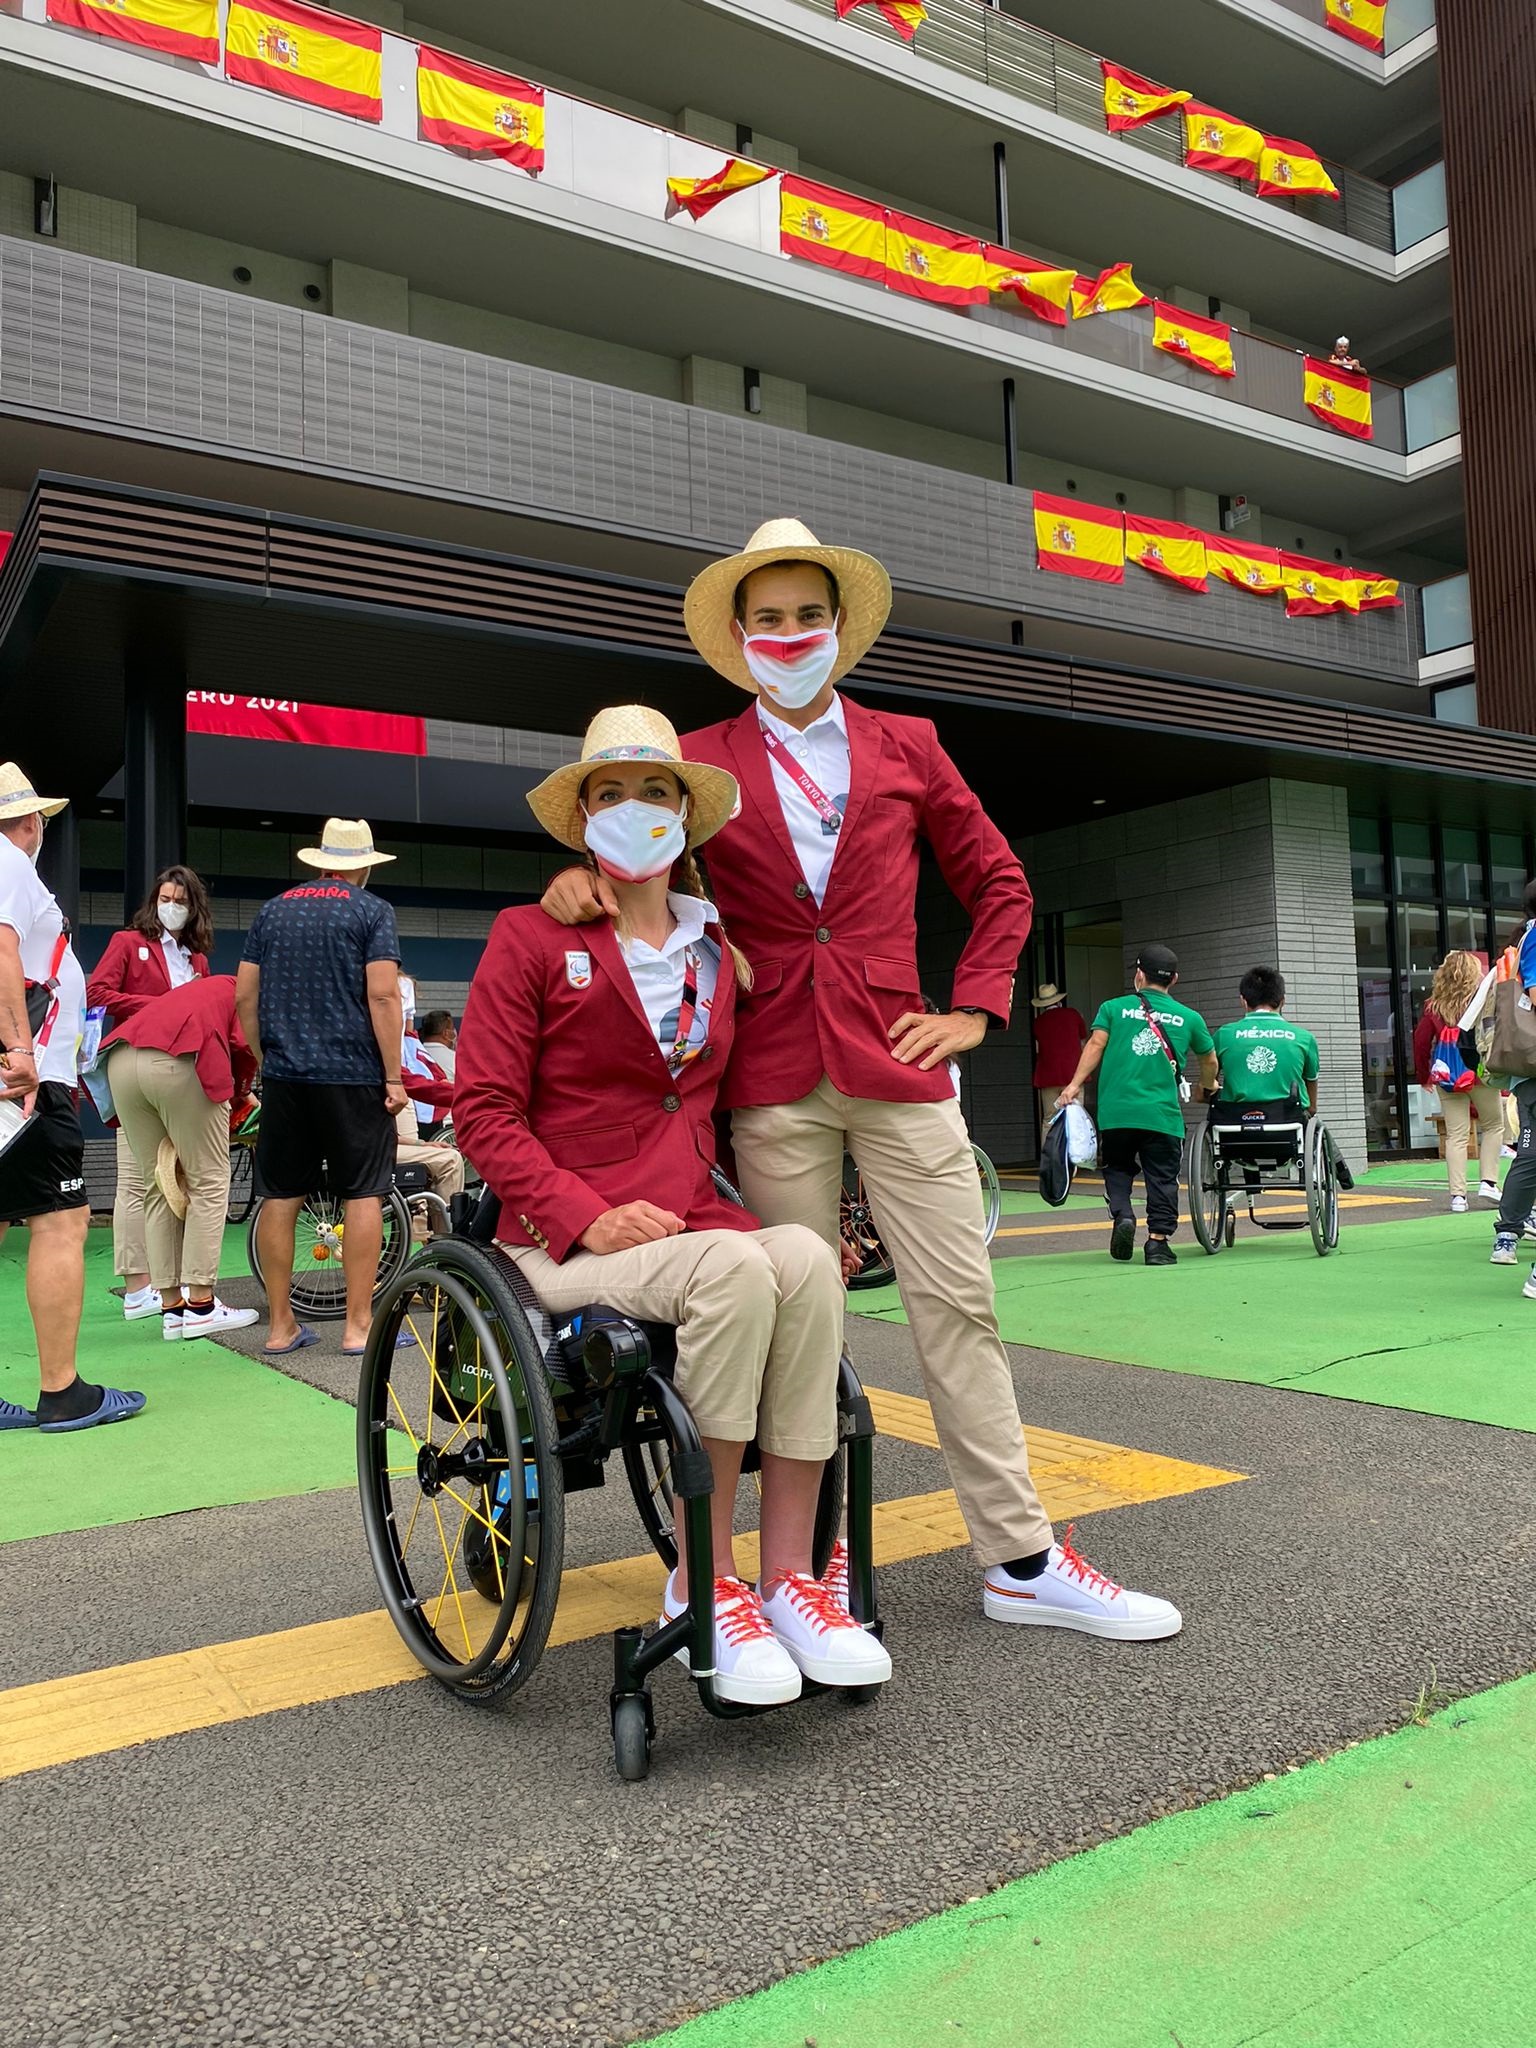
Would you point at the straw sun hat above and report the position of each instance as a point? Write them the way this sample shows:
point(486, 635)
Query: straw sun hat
point(632, 732)
point(347, 844)
point(172, 1177)
point(863, 588)
point(1047, 996)
point(18, 799)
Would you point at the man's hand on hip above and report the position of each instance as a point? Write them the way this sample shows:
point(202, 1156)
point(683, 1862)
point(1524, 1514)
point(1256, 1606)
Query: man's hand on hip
point(621, 1229)
point(577, 896)
point(930, 1040)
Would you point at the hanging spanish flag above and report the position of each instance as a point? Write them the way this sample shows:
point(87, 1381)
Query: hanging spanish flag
point(1206, 343)
point(1378, 593)
point(1214, 141)
point(1036, 286)
point(1312, 588)
point(1079, 540)
point(306, 54)
point(1289, 170)
point(1129, 100)
point(179, 28)
point(464, 106)
point(905, 16)
point(1166, 549)
point(928, 262)
point(1363, 21)
point(1112, 291)
point(1341, 399)
point(827, 226)
point(698, 195)
point(1254, 569)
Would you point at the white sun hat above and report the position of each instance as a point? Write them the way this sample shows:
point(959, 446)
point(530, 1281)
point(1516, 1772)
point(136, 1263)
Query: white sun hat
point(347, 843)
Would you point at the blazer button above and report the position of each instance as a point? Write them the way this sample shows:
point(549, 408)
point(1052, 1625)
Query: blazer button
point(802, 890)
point(670, 1102)
point(822, 934)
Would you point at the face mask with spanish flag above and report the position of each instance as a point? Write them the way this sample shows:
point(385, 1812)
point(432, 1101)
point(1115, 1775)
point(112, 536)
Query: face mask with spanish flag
point(633, 841)
point(791, 672)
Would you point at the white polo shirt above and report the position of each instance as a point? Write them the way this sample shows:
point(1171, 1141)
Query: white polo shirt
point(658, 972)
point(822, 751)
point(33, 914)
point(178, 961)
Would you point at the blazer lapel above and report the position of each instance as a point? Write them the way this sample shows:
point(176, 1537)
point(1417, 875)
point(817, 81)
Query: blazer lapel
point(603, 944)
point(866, 738)
point(157, 954)
point(754, 772)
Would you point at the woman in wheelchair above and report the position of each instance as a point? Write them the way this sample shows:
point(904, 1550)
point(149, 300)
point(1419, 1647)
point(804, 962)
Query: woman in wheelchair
point(585, 1095)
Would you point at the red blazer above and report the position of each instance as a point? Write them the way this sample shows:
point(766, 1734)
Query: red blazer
point(828, 983)
point(197, 1018)
point(562, 1096)
point(130, 973)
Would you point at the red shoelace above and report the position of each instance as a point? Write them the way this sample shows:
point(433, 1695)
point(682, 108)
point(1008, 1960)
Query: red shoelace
point(836, 1579)
point(815, 1599)
point(739, 1613)
point(1080, 1568)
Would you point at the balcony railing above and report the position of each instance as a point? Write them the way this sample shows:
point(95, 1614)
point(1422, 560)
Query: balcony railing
point(1405, 19)
point(1429, 410)
point(1447, 614)
point(133, 351)
point(1419, 207)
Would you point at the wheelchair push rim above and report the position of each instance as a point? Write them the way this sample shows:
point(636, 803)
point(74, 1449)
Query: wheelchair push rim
point(1209, 1208)
point(318, 1289)
point(463, 1502)
point(1322, 1188)
point(857, 1226)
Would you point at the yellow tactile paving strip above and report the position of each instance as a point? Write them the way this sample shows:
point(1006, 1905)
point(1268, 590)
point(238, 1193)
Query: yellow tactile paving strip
point(93, 1713)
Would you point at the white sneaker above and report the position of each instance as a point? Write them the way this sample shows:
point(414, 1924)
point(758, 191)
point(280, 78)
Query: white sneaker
point(1069, 1593)
point(1506, 1249)
point(822, 1636)
point(170, 1325)
point(217, 1320)
point(1488, 1191)
point(751, 1665)
point(1458, 1205)
point(137, 1308)
point(1529, 1289)
point(1509, 1152)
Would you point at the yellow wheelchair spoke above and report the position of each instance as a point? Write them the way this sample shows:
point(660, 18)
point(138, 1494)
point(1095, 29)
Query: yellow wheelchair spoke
point(450, 1580)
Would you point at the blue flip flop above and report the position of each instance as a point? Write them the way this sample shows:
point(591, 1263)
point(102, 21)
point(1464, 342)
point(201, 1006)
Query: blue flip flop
point(13, 1417)
point(403, 1342)
point(305, 1338)
point(115, 1406)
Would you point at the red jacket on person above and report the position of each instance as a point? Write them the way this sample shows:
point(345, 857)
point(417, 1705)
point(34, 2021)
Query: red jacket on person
point(828, 982)
point(563, 1097)
point(197, 1018)
point(130, 973)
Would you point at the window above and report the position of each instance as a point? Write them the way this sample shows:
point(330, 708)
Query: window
point(1413, 861)
point(1367, 870)
point(1462, 860)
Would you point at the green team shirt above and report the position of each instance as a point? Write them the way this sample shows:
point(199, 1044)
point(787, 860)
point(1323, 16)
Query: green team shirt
point(1264, 1058)
point(1138, 1089)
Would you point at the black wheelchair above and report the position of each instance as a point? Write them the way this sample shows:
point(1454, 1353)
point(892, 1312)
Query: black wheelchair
point(469, 1440)
point(1244, 1149)
point(319, 1285)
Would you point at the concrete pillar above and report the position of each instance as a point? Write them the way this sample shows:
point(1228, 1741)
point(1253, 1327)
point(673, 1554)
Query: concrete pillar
point(154, 767)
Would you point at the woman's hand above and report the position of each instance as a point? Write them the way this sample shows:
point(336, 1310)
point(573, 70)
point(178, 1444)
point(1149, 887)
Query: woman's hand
point(632, 1223)
point(851, 1257)
point(935, 1038)
point(577, 896)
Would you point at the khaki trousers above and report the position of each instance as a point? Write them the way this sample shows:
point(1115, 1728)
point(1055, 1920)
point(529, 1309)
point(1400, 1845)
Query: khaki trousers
point(158, 1095)
point(1457, 1107)
point(129, 1253)
point(759, 1318)
point(445, 1167)
point(920, 1176)
point(1047, 1104)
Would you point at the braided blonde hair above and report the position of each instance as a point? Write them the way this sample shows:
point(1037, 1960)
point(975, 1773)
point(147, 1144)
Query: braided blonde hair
point(689, 880)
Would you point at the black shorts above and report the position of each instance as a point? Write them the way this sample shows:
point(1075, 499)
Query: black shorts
point(324, 1134)
point(44, 1170)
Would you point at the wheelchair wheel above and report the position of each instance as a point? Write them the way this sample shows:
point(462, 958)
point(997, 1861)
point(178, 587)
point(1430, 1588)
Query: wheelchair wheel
point(462, 1494)
point(648, 1467)
point(1210, 1213)
point(856, 1222)
point(1322, 1187)
point(319, 1284)
point(242, 1184)
point(632, 1738)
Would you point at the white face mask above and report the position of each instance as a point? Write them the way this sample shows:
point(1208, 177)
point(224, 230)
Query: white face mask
point(173, 916)
point(408, 999)
point(633, 841)
point(791, 672)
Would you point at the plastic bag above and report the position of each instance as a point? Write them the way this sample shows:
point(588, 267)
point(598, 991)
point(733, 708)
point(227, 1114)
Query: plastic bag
point(91, 1034)
point(1082, 1138)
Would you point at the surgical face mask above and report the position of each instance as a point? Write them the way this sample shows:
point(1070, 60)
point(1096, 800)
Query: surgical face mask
point(791, 672)
point(633, 841)
point(173, 916)
point(408, 997)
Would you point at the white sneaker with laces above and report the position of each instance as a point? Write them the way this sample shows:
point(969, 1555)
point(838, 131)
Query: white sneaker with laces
point(170, 1325)
point(1506, 1249)
point(751, 1665)
point(1489, 1191)
point(1458, 1205)
point(835, 1577)
point(216, 1320)
point(823, 1638)
point(137, 1308)
point(1529, 1289)
point(1069, 1593)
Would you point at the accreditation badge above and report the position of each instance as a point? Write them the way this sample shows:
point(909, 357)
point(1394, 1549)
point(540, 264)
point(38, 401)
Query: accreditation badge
point(578, 969)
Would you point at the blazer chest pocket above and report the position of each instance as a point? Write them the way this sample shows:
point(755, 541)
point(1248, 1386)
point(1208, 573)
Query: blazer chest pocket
point(895, 977)
point(767, 975)
point(601, 1146)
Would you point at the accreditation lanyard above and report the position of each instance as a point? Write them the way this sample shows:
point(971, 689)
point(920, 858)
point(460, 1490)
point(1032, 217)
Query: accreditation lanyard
point(682, 1052)
point(818, 799)
point(60, 948)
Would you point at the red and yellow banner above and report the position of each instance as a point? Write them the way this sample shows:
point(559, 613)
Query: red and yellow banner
point(929, 262)
point(1378, 593)
point(1289, 170)
point(1214, 141)
point(1312, 587)
point(1341, 399)
point(823, 225)
point(316, 725)
point(1079, 540)
point(179, 28)
point(1363, 21)
point(1112, 291)
point(306, 54)
point(1166, 548)
point(465, 106)
point(1254, 569)
point(1130, 99)
point(1206, 343)
point(1036, 286)
point(905, 16)
point(699, 195)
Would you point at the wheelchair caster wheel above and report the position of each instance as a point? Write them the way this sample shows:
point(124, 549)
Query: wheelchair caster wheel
point(632, 1739)
point(861, 1695)
point(1229, 1229)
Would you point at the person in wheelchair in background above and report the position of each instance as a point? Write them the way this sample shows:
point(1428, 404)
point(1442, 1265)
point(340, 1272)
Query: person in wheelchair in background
point(587, 1077)
point(1266, 1061)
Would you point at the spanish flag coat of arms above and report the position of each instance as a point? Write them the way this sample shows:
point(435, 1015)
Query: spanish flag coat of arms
point(1340, 398)
point(1079, 540)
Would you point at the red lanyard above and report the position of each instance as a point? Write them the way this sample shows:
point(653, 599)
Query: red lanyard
point(682, 1052)
point(60, 948)
point(820, 802)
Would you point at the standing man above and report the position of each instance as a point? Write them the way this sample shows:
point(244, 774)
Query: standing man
point(42, 1159)
point(1138, 1048)
point(319, 999)
point(816, 880)
point(1059, 1035)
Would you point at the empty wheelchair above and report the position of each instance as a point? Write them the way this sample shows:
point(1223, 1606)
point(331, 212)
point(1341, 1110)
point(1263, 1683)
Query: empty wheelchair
point(319, 1282)
point(470, 1440)
point(1244, 1150)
